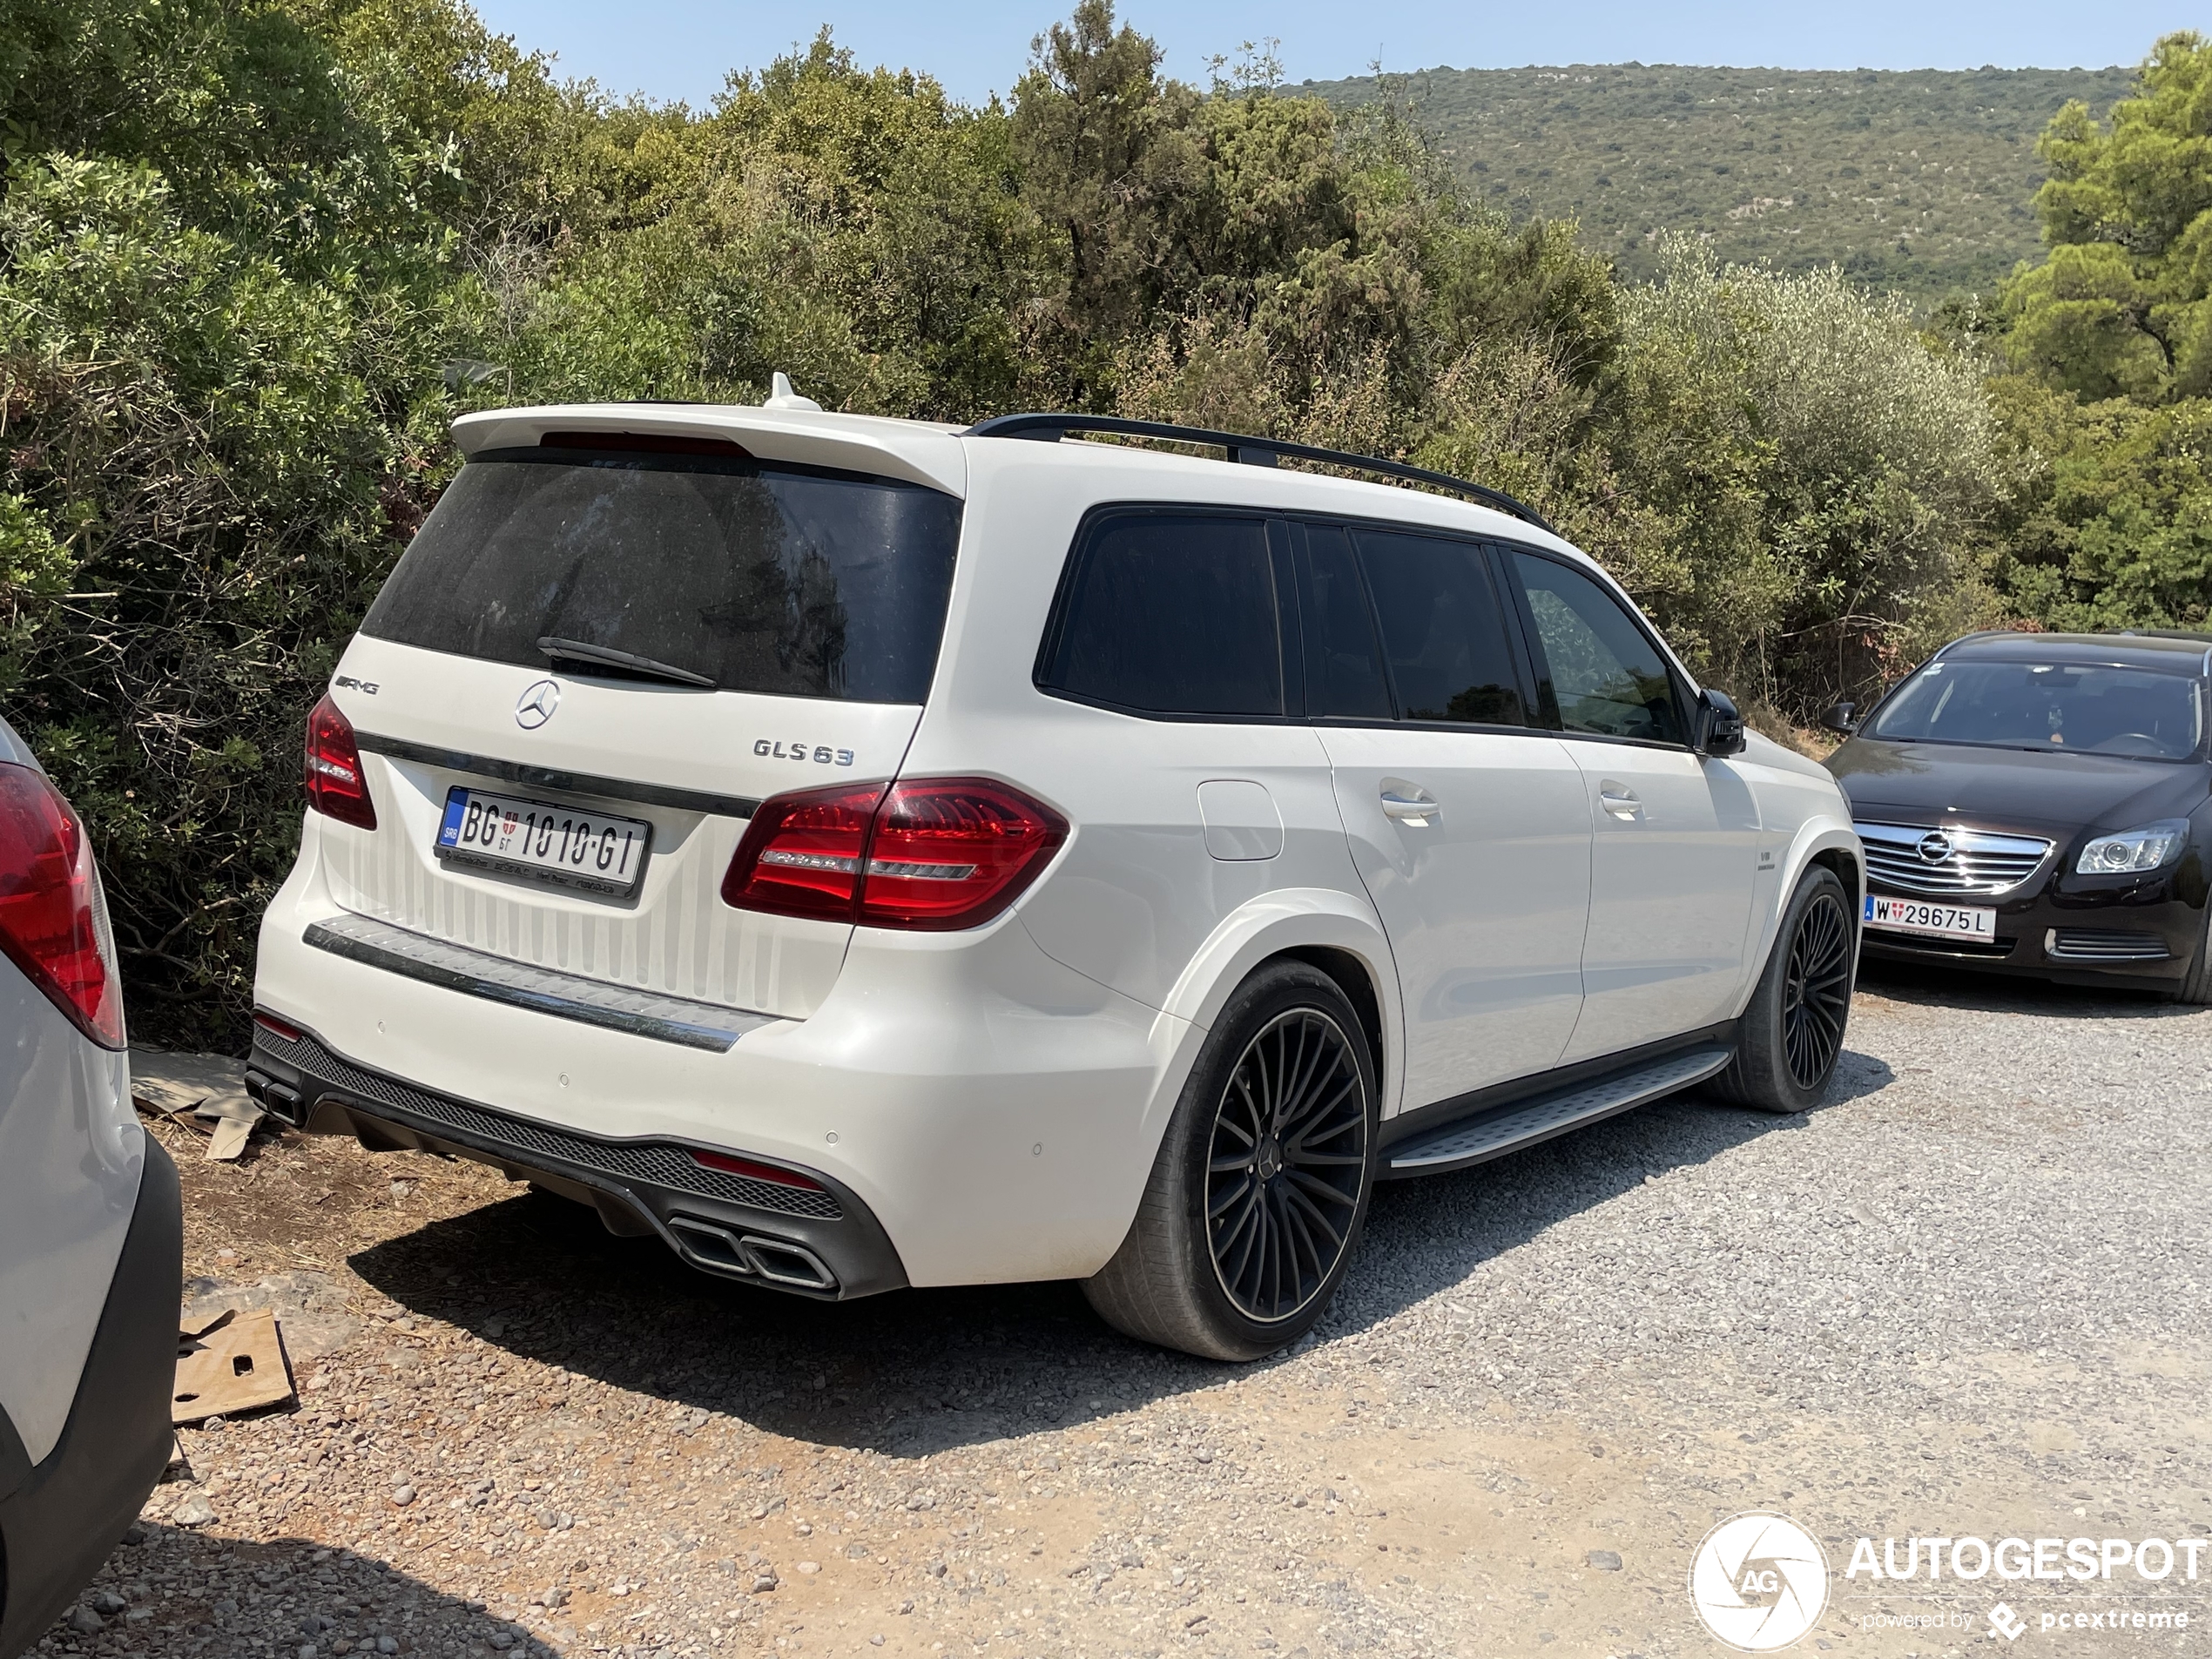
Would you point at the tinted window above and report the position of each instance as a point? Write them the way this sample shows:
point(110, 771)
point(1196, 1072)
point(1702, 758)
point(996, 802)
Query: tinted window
point(761, 578)
point(1344, 671)
point(2047, 706)
point(1171, 614)
point(1605, 673)
point(1443, 632)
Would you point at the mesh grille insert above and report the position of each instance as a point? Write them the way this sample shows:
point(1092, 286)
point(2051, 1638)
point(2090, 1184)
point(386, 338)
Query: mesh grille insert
point(653, 1162)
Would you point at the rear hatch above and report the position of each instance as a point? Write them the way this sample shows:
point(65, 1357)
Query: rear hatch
point(604, 649)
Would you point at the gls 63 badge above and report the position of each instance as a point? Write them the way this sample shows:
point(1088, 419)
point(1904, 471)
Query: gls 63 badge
point(821, 753)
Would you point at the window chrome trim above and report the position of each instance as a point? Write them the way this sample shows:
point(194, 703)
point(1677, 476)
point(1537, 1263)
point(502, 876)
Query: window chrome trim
point(542, 990)
point(571, 783)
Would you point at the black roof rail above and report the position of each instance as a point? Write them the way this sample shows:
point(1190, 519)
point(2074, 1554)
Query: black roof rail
point(1247, 450)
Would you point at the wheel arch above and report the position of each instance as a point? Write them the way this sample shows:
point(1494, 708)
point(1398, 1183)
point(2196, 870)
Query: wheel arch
point(1328, 930)
point(1823, 842)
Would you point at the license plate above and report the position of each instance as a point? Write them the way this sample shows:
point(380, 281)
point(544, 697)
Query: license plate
point(1943, 920)
point(578, 849)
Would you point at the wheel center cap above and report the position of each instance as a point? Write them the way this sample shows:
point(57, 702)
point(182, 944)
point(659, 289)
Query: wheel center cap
point(1269, 1162)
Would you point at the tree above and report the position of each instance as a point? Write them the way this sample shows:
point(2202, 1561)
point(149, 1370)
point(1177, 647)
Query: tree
point(2110, 523)
point(2123, 305)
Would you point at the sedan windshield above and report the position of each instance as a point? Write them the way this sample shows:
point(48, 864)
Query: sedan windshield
point(2047, 706)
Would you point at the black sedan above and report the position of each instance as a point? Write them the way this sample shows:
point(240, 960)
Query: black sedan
point(2042, 803)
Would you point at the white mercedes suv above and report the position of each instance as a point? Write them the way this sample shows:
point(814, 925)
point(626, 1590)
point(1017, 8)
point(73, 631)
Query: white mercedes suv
point(865, 854)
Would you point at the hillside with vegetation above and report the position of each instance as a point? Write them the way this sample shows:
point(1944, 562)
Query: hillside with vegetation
point(1917, 181)
point(256, 255)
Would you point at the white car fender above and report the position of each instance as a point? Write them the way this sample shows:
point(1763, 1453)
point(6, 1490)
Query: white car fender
point(1289, 919)
point(1816, 834)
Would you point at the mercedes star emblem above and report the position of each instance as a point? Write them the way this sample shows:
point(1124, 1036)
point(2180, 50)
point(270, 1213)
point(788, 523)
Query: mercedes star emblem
point(536, 705)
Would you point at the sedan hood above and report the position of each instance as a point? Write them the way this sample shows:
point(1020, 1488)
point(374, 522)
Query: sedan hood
point(2052, 793)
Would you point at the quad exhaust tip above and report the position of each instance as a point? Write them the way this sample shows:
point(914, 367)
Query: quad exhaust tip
point(776, 1261)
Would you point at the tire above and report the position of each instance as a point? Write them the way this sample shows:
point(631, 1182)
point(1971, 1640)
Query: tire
point(1242, 1238)
point(1792, 1031)
point(2196, 984)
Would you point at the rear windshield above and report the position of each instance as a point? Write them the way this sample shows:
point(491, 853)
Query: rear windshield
point(2047, 706)
point(790, 581)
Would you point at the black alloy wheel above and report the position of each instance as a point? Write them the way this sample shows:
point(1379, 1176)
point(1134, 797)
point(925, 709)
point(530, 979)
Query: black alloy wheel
point(1816, 991)
point(1791, 1033)
point(1287, 1163)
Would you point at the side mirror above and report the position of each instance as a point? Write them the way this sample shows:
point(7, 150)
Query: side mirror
point(1841, 719)
point(1720, 728)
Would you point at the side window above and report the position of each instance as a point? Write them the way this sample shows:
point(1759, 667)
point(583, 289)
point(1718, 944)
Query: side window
point(1607, 676)
point(1170, 614)
point(1344, 673)
point(1443, 630)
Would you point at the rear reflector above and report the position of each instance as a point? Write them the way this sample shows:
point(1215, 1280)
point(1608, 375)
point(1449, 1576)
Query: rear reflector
point(53, 917)
point(931, 854)
point(747, 1168)
point(276, 1028)
point(335, 785)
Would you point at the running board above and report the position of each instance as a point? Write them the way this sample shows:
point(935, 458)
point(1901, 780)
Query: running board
point(1476, 1140)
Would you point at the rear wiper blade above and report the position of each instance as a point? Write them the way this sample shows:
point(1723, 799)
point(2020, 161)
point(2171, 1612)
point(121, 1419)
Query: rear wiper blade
point(577, 650)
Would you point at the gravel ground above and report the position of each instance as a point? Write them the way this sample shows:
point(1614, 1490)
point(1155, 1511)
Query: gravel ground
point(1962, 1297)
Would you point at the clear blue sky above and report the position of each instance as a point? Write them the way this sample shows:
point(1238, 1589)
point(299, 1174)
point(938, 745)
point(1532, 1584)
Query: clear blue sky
point(670, 49)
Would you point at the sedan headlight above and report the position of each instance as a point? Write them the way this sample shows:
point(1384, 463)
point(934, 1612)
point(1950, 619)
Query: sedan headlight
point(2147, 849)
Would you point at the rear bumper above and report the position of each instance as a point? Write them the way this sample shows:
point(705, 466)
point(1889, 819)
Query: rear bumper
point(992, 1114)
point(818, 1239)
point(2144, 935)
point(59, 1519)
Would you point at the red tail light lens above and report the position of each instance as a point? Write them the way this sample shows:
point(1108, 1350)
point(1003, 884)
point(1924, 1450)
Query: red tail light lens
point(954, 852)
point(933, 854)
point(335, 785)
point(53, 917)
point(801, 854)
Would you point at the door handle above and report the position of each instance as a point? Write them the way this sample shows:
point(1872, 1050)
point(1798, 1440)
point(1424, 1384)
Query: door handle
point(1620, 801)
point(1409, 804)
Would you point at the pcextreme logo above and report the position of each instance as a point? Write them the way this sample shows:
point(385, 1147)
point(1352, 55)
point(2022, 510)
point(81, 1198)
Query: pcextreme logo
point(1759, 1581)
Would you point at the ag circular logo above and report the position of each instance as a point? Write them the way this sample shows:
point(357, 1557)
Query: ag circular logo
point(536, 705)
point(1935, 847)
point(1759, 1581)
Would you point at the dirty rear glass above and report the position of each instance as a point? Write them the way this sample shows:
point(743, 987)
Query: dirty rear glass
point(790, 581)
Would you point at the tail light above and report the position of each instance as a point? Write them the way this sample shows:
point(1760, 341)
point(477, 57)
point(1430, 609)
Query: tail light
point(335, 785)
point(932, 854)
point(801, 854)
point(53, 917)
point(954, 852)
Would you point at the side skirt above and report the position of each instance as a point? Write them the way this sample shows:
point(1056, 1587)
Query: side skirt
point(1492, 1122)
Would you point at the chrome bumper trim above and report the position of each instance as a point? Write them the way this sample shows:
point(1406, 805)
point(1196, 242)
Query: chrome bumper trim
point(542, 990)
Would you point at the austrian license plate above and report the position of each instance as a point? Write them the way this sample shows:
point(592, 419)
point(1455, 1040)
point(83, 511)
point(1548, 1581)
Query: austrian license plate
point(1941, 921)
point(578, 849)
